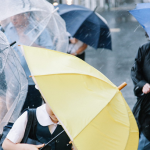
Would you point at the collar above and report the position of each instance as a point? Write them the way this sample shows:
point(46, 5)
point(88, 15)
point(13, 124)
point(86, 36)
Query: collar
point(43, 117)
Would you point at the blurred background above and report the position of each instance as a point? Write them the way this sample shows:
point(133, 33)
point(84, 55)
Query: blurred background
point(127, 36)
point(103, 4)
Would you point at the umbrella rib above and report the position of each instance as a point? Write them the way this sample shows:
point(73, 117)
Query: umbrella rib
point(99, 27)
point(82, 22)
point(97, 115)
point(75, 73)
point(98, 112)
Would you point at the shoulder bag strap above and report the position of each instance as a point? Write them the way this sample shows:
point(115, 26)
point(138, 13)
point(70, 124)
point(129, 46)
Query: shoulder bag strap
point(31, 118)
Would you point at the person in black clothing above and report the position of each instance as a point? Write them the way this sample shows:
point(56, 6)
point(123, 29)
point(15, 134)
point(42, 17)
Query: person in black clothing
point(140, 74)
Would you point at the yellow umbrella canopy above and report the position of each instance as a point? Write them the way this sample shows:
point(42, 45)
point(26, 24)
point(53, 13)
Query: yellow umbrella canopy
point(88, 105)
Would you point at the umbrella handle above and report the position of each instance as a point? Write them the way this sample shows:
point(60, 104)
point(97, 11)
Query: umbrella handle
point(69, 143)
point(13, 43)
point(122, 86)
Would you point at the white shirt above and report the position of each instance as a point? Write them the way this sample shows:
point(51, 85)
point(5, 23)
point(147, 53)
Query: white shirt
point(16, 134)
point(74, 47)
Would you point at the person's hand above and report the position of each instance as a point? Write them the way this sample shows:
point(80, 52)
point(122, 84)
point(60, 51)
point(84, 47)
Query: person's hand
point(146, 88)
point(73, 40)
point(73, 54)
point(32, 147)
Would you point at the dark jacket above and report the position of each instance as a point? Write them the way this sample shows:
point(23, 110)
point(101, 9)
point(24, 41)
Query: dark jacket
point(140, 74)
point(41, 134)
point(44, 136)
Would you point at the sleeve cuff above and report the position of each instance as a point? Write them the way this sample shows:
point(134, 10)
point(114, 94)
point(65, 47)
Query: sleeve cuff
point(13, 138)
point(138, 88)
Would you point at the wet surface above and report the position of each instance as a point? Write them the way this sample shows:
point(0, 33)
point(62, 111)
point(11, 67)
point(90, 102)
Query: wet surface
point(116, 64)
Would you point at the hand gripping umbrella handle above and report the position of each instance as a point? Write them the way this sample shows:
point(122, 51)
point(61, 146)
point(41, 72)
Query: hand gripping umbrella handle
point(122, 86)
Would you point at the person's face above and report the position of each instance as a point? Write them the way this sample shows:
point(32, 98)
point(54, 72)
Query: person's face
point(20, 20)
point(51, 114)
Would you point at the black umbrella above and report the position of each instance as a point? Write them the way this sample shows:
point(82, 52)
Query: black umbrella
point(86, 25)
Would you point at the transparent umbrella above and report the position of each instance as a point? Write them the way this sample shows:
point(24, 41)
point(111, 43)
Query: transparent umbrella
point(32, 22)
point(13, 84)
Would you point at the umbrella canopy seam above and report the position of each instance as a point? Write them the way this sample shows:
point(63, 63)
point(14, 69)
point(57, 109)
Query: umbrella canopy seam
point(76, 74)
point(95, 115)
point(69, 72)
point(81, 22)
point(99, 112)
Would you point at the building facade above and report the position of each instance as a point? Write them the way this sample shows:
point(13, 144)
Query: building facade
point(91, 4)
point(101, 4)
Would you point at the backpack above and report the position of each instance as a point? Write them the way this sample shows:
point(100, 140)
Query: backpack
point(30, 125)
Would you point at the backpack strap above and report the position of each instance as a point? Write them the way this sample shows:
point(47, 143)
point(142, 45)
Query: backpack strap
point(31, 122)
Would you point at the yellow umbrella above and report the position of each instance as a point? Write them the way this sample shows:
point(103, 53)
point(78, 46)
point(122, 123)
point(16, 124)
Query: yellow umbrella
point(88, 105)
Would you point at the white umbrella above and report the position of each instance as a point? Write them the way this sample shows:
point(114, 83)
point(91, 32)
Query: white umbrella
point(32, 22)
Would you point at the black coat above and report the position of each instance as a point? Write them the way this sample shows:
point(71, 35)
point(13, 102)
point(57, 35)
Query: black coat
point(140, 74)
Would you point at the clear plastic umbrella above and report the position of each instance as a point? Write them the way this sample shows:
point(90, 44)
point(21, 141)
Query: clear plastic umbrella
point(32, 22)
point(13, 84)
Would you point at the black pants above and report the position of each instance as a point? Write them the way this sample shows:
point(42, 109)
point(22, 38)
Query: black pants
point(33, 99)
point(81, 56)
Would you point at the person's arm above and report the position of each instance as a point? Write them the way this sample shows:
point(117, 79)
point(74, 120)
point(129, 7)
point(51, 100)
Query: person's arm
point(80, 50)
point(136, 73)
point(16, 134)
point(8, 145)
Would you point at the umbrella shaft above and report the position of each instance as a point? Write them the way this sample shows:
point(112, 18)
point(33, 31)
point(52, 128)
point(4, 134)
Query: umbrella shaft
point(52, 139)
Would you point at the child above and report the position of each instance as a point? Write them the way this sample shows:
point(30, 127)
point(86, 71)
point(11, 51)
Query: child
point(46, 129)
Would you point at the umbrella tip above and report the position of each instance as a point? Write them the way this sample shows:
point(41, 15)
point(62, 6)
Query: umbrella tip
point(122, 86)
